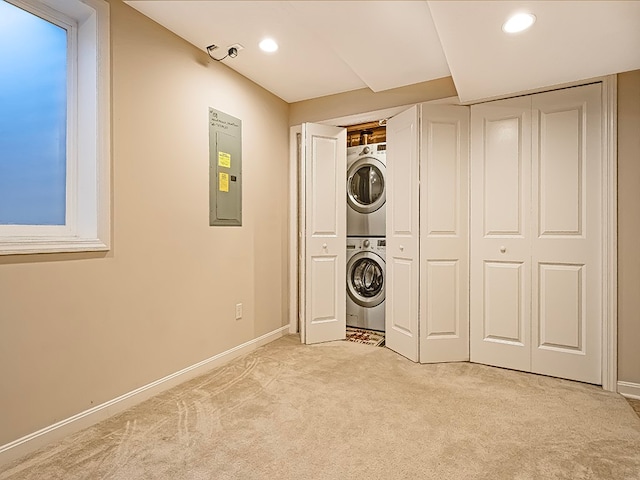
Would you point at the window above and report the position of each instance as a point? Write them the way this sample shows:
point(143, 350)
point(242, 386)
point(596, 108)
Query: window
point(33, 124)
point(54, 126)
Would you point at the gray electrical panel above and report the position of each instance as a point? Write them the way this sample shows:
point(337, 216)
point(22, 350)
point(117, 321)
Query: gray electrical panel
point(225, 169)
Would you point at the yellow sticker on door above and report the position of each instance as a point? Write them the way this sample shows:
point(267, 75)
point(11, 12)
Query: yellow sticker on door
point(223, 184)
point(224, 159)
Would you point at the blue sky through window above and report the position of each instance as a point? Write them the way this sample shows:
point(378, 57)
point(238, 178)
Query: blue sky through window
point(33, 119)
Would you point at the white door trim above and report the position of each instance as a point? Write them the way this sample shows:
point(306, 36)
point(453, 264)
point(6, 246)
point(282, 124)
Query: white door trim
point(610, 233)
point(293, 228)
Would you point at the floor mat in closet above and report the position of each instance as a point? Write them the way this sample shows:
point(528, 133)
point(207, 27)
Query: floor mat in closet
point(368, 337)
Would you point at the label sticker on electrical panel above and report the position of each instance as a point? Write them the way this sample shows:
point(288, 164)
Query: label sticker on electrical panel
point(224, 182)
point(224, 159)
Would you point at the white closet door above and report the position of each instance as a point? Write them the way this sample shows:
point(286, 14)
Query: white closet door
point(567, 234)
point(324, 150)
point(402, 267)
point(500, 308)
point(444, 234)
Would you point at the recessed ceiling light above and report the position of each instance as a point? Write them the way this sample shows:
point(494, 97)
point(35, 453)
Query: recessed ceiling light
point(268, 45)
point(518, 23)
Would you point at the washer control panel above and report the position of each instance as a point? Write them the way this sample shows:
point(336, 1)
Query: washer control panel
point(371, 244)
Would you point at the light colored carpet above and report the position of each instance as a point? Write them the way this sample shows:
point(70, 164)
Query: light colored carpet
point(343, 410)
point(635, 404)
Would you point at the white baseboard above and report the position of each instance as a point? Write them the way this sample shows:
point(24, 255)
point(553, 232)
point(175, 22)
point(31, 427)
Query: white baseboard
point(630, 390)
point(29, 443)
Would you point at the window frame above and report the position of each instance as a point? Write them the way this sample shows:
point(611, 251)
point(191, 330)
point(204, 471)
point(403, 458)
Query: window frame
point(88, 211)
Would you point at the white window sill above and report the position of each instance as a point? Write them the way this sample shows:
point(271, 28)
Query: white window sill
point(16, 246)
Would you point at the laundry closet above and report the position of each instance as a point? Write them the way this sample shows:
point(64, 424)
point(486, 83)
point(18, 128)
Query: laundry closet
point(366, 226)
point(497, 220)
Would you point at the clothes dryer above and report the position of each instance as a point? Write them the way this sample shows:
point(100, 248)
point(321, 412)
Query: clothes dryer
point(366, 190)
point(366, 282)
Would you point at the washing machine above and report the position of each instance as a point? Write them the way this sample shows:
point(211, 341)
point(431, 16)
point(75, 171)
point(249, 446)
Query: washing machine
point(366, 282)
point(366, 190)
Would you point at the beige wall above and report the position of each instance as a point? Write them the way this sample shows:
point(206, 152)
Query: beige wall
point(364, 100)
point(629, 227)
point(77, 330)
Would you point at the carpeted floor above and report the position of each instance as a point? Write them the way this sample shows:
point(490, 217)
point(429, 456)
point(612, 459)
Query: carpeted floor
point(635, 404)
point(343, 410)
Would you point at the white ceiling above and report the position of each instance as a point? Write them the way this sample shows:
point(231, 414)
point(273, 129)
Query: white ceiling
point(329, 47)
point(571, 40)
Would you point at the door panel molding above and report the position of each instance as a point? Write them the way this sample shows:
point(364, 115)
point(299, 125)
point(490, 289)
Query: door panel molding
point(555, 306)
point(505, 305)
point(443, 316)
point(561, 200)
point(502, 211)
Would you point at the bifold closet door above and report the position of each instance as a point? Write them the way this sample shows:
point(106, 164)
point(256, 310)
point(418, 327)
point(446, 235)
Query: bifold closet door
point(427, 279)
point(444, 233)
point(567, 234)
point(536, 233)
point(402, 263)
point(500, 293)
point(324, 161)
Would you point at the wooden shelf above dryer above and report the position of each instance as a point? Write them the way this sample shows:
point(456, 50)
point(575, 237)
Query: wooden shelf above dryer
point(378, 133)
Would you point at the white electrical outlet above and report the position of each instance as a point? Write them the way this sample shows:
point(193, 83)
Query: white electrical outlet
point(238, 311)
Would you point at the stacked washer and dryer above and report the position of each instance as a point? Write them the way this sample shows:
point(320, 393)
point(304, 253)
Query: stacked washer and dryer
point(366, 243)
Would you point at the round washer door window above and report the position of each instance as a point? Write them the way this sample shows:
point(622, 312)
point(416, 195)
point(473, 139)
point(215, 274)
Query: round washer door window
point(365, 279)
point(365, 185)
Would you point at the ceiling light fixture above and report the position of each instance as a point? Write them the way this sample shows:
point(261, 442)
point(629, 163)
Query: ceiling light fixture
point(268, 45)
point(518, 22)
point(231, 53)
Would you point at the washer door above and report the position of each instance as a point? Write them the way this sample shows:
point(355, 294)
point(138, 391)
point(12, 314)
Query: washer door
point(365, 185)
point(365, 279)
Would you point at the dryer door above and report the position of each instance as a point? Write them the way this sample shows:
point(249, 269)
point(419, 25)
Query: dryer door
point(365, 185)
point(365, 279)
